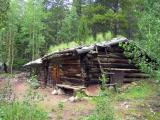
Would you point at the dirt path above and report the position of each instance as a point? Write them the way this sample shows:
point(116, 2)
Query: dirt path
point(51, 103)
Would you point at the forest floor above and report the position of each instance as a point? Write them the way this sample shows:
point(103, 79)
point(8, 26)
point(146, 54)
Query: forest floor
point(136, 101)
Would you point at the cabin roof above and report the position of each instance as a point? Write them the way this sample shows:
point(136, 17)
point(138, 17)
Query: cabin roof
point(35, 62)
point(84, 49)
point(77, 50)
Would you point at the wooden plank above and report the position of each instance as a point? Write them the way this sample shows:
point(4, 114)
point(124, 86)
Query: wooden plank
point(129, 80)
point(71, 61)
point(136, 75)
point(111, 55)
point(71, 74)
point(122, 69)
point(113, 65)
point(62, 59)
point(71, 87)
point(72, 79)
point(112, 60)
point(72, 70)
point(116, 65)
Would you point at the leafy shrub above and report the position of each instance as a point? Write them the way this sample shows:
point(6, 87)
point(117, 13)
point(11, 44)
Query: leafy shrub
point(158, 75)
point(139, 56)
point(80, 94)
point(104, 79)
point(33, 82)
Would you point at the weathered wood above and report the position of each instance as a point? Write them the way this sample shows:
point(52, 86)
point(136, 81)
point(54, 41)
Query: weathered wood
point(62, 59)
point(111, 55)
point(71, 78)
point(129, 80)
point(136, 75)
point(116, 65)
point(71, 74)
point(112, 60)
point(123, 69)
point(75, 88)
point(113, 65)
point(71, 70)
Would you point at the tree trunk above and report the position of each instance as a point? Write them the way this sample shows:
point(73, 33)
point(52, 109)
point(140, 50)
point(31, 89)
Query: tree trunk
point(116, 24)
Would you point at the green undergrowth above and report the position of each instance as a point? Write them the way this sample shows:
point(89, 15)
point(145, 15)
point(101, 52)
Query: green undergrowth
point(6, 75)
point(139, 90)
point(104, 109)
point(20, 111)
point(11, 108)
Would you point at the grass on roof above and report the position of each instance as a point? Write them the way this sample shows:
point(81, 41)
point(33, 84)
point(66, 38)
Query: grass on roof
point(89, 41)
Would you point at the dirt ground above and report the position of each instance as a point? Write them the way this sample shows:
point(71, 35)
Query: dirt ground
point(50, 103)
point(60, 109)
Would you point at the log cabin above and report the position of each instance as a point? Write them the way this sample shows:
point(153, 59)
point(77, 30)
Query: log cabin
point(83, 66)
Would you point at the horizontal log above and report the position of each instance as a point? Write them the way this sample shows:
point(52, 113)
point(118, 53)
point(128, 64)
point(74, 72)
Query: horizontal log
point(112, 60)
point(71, 70)
point(77, 76)
point(116, 65)
point(61, 59)
point(113, 65)
point(70, 87)
point(122, 69)
point(129, 80)
point(70, 64)
point(136, 75)
point(111, 49)
point(72, 80)
point(71, 73)
point(111, 55)
point(71, 61)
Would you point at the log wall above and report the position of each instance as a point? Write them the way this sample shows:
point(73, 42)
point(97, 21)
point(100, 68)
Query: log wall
point(113, 63)
point(69, 71)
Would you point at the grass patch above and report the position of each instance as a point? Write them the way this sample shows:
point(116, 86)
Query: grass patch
point(13, 109)
point(6, 75)
point(139, 91)
point(89, 41)
point(21, 111)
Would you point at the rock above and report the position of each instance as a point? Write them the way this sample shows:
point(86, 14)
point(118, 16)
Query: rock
point(134, 83)
point(50, 116)
point(76, 98)
point(65, 100)
point(60, 92)
point(54, 92)
point(125, 105)
point(72, 99)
